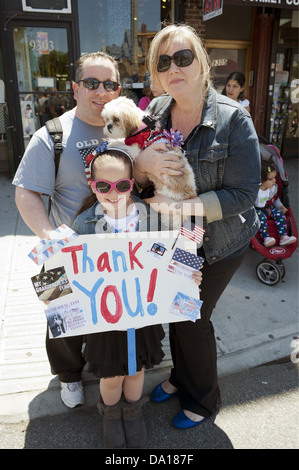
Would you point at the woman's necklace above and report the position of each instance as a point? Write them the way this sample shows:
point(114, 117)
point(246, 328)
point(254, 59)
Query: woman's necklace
point(185, 122)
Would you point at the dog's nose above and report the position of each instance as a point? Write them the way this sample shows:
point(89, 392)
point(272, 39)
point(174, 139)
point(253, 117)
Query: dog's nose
point(109, 127)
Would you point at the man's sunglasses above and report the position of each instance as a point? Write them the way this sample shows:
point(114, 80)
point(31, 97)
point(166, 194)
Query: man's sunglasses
point(93, 84)
point(120, 186)
point(181, 58)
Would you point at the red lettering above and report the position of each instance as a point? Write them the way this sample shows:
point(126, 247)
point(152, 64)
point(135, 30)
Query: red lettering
point(107, 315)
point(208, 7)
point(72, 250)
point(133, 258)
point(152, 285)
point(103, 262)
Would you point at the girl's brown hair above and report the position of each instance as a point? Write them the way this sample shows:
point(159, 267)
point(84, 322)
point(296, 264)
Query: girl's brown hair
point(266, 168)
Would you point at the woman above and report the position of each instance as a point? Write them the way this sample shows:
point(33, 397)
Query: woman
point(234, 88)
point(222, 147)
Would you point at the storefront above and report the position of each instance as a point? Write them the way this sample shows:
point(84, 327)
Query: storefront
point(40, 41)
point(260, 39)
point(282, 122)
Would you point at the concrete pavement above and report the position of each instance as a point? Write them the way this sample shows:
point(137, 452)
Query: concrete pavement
point(254, 323)
point(259, 411)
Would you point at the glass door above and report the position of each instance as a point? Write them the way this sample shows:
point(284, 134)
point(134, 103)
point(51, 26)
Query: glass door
point(227, 57)
point(44, 83)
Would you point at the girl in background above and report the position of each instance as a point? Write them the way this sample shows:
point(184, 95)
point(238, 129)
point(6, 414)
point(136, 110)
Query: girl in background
point(268, 203)
point(234, 89)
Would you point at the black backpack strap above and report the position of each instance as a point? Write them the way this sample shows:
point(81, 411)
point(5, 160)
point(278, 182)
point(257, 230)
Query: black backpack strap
point(55, 130)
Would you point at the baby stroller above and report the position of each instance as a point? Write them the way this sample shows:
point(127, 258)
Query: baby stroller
point(271, 269)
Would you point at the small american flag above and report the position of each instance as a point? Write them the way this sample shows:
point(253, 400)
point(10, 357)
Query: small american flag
point(192, 231)
point(187, 258)
point(84, 154)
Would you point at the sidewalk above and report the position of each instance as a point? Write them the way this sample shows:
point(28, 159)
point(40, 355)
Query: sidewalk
point(254, 323)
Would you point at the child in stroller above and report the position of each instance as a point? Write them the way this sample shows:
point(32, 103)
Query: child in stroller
point(271, 269)
point(269, 204)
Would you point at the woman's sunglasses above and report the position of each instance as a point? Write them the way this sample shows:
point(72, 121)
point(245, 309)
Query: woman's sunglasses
point(181, 58)
point(105, 187)
point(93, 84)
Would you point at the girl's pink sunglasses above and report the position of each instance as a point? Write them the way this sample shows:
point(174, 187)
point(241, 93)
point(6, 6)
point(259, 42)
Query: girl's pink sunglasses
point(105, 187)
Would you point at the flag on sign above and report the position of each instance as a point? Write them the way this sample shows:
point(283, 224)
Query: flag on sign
point(192, 231)
point(187, 258)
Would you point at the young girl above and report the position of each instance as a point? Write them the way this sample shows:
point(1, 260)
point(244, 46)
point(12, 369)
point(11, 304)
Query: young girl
point(112, 208)
point(234, 88)
point(268, 203)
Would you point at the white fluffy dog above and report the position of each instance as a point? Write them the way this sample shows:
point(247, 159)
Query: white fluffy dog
point(123, 119)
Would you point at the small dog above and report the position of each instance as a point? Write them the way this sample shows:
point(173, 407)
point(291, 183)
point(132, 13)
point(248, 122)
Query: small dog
point(123, 123)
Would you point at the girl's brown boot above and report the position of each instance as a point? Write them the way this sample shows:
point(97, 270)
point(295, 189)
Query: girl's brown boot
point(113, 431)
point(134, 424)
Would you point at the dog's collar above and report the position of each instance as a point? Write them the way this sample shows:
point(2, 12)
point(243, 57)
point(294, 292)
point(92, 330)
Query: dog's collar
point(150, 124)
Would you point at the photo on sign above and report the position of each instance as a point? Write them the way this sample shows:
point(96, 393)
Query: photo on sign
point(157, 250)
point(52, 284)
point(184, 263)
point(64, 318)
point(186, 306)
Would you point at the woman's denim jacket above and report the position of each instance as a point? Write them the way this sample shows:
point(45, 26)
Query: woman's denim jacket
point(93, 221)
point(224, 154)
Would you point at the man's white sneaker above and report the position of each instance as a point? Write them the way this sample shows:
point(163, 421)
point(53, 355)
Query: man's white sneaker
point(72, 394)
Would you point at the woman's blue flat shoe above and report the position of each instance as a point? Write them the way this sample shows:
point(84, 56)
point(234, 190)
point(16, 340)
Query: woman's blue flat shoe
point(159, 396)
point(181, 421)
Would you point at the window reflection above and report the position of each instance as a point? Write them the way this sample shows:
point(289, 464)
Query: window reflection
point(44, 85)
point(124, 29)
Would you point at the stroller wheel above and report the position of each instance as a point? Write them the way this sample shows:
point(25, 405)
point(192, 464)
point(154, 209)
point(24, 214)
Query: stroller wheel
point(268, 272)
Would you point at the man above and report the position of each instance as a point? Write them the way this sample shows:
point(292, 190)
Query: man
point(96, 82)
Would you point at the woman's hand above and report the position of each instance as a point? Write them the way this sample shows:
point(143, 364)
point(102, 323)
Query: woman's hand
point(162, 204)
point(157, 160)
point(197, 276)
point(166, 205)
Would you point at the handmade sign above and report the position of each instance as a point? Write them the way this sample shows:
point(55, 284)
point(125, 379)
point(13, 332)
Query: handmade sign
point(121, 282)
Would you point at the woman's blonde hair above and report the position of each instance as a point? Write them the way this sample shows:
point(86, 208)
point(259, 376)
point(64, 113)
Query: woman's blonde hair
point(166, 36)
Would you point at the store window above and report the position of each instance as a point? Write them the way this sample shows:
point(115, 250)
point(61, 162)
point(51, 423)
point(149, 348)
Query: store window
point(44, 84)
point(227, 57)
point(228, 42)
point(124, 29)
point(284, 118)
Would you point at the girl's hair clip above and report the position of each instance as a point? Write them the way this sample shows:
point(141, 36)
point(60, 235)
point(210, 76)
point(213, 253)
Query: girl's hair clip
point(269, 169)
point(102, 148)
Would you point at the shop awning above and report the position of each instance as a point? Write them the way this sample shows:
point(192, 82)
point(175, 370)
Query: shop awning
point(289, 4)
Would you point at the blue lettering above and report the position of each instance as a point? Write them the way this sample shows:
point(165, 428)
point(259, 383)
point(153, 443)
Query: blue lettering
point(139, 308)
point(87, 259)
point(92, 296)
point(115, 255)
